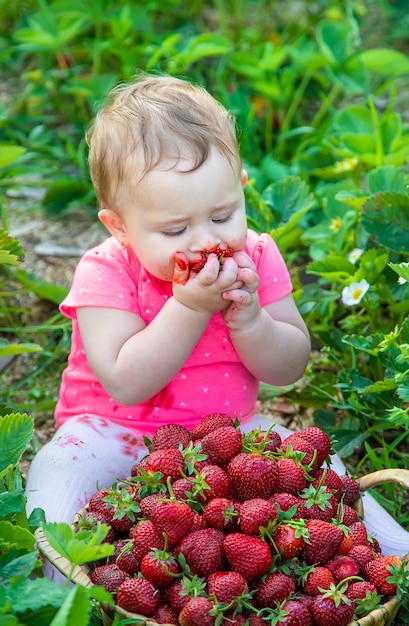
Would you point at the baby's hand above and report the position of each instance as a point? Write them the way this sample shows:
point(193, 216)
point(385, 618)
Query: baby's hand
point(244, 308)
point(203, 292)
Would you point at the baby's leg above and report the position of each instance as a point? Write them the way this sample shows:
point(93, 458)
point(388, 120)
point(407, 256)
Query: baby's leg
point(85, 454)
point(392, 538)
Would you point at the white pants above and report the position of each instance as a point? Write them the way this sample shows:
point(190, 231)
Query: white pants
point(87, 453)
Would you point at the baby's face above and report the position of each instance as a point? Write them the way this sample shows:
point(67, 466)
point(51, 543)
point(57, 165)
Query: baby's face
point(179, 211)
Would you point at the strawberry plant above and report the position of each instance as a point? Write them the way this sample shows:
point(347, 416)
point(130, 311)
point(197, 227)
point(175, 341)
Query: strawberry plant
point(26, 596)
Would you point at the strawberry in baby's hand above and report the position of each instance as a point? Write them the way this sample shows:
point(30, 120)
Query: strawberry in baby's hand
point(198, 265)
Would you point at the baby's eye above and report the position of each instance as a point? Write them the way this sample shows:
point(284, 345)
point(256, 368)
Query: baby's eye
point(173, 233)
point(221, 220)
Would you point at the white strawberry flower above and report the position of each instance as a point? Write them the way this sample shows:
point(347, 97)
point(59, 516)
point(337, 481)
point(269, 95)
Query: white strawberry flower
point(353, 293)
point(354, 255)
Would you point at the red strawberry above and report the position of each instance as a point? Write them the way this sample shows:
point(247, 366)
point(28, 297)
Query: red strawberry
point(170, 436)
point(284, 501)
point(182, 488)
point(168, 461)
point(90, 520)
point(198, 522)
point(342, 567)
point(197, 613)
point(164, 615)
point(138, 595)
point(347, 515)
point(289, 538)
point(203, 551)
point(291, 476)
point(361, 555)
point(209, 423)
point(350, 488)
point(248, 555)
point(220, 513)
point(109, 576)
point(346, 544)
point(359, 534)
point(268, 441)
point(296, 447)
point(123, 509)
point(160, 567)
point(385, 572)
point(360, 590)
point(319, 441)
point(98, 504)
point(253, 475)
point(198, 264)
point(256, 514)
point(295, 613)
point(125, 557)
point(332, 607)
point(328, 478)
point(318, 578)
point(226, 586)
point(173, 517)
point(217, 483)
point(318, 503)
point(178, 594)
point(324, 540)
point(148, 502)
point(222, 444)
point(145, 538)
point(273, 589)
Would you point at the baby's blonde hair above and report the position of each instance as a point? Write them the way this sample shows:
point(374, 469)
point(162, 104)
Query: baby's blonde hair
point(150, 121)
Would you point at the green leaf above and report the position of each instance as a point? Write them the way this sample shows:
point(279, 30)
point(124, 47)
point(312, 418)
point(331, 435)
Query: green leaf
point(354, 119)
point(47, 291)
point(9, 154)
point(11, 252)
point(380, 386)
point(16, 430)
point(19, 568)
point(75, 610)
point(386, 216)
point(32, 595)
point(7, 349)
point(347, 441)
point(78, 548)
point(11, 534)
point(287, 197)
point(334, 39)
point(360, 342)
point(334, 267)
point(385, 61)
point(402, 269)
point(11, 502)
point(61, 194)
point(386, 178)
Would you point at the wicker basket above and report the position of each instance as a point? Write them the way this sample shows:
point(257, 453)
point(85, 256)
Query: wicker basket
point(382, 616)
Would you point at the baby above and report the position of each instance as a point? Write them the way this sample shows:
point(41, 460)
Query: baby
point(182, 311)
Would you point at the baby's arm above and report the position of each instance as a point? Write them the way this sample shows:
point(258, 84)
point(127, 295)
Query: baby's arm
point(273, 342)
point(134, 361)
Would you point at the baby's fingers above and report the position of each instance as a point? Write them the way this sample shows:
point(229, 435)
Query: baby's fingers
point(249, 278)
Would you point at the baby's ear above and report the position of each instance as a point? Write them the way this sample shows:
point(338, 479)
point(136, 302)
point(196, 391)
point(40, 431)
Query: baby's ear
point(244, 178)
point(114, 223)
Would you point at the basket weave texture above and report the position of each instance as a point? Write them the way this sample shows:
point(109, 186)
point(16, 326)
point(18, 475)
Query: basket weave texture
point(381, 616)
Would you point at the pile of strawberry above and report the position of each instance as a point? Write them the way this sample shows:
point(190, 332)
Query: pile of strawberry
point(218, 527)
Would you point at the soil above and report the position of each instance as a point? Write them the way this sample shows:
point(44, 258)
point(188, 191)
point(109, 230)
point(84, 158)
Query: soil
point(52, 250)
